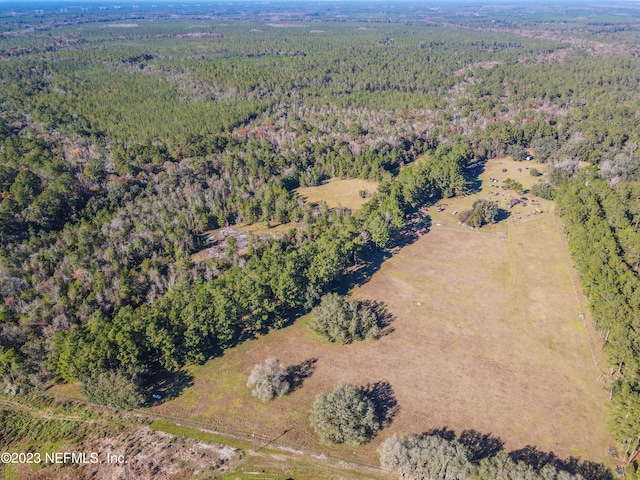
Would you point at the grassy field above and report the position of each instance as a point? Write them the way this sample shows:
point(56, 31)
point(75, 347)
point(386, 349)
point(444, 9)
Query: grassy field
point(487, 336)
point(339, 193)
point(518, 171)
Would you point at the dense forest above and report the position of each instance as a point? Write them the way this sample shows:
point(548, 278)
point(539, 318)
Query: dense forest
point(123, 142)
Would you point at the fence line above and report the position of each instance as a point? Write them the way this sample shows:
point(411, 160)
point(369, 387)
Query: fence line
point(264, 441)
point(267, 441)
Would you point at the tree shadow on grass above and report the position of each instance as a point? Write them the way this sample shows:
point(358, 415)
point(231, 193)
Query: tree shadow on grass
point(167, 385)
point(594, 471)
point(445, 433)
point(416, 225)
point(537, 459)
point(484, 445)
point(296, 374)
point(374, 257)
point(381, 394)
point(481, 445)
point(362, 273)
point(383, 316)
point(533, 457)
point(502, 214)
point(474, 184)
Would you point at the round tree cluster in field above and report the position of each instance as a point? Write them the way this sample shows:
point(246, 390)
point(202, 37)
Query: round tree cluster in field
point(344, 415)
point(269, 380)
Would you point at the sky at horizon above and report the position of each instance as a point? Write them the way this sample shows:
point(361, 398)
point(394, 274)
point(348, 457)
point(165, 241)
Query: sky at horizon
point(27, 7)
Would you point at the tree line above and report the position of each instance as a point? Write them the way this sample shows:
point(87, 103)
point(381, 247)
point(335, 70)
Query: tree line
point(604, 243)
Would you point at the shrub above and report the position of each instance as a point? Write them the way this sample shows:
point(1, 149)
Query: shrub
point(535, 172)
point(269, 380)
point(512, 184)
point(344, 320)
point(425, 456)
point(114, 388)
point(543, 190)
point(345, 415)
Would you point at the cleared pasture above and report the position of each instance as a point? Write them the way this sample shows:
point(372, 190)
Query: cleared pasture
point(494, 191)
point(487, 336)
point(339, 193)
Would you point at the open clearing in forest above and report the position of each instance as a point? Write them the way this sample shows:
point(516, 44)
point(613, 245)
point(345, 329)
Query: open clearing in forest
point(494, 191)
point(339, 193)
point(487, 336)
point(218, 238)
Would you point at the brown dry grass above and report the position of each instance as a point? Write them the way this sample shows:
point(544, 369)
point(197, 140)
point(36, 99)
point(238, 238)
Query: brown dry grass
point(339, 193)
point(486, 337)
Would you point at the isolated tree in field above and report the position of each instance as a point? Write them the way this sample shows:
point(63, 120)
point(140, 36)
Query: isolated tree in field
point(481, 213)
point(268, 381)
point(345, 415)
point(343, 320)
point(486, 210)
